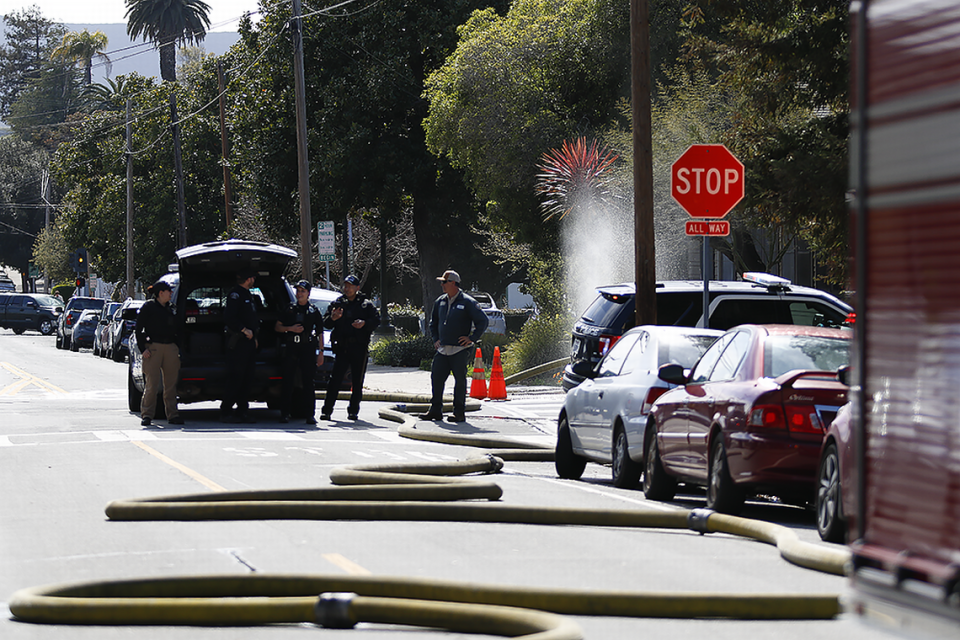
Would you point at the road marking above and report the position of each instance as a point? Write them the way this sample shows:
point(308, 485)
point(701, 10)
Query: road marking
point(26, 380)
point(347, 565)
point(210, 484)
point(5, 441)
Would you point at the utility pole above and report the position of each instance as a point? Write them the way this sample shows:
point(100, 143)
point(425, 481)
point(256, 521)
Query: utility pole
point(45, 186)
point(129, 203)
point(178, 170)
point(644, 249)
point(224, 148)
point(303, 165)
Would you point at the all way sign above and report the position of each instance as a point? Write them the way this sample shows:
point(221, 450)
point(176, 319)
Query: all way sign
point(708, 228)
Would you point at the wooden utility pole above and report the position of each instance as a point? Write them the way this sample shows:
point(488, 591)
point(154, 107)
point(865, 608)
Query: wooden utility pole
point(224, 148)
point(306, 254)
point(644, 249)
point(178, 171)
point(129, 204)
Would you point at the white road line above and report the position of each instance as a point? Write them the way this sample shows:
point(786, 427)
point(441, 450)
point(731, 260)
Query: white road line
point(5, 442)
point(270, 435)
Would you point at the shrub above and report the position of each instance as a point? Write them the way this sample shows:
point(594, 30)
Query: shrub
point(542, 339)
point(404, 351)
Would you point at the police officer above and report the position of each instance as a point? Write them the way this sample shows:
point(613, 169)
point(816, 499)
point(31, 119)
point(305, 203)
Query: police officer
point(353, 319)
point(240, 318)
point(157, 334)
point(301, 329)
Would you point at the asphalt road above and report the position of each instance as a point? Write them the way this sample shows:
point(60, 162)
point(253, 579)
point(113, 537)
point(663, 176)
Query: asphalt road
point(68, 446)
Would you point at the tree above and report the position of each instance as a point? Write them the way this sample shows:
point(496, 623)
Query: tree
point(29, 40)
point(82, 47)
point(22, 178)
point(167, 23)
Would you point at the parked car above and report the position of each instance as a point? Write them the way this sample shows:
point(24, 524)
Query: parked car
point(321, 299)
point(603, 420)
point(121, 328)
point(84, 329)
point(498, 323)
point(760, 298)
point(6, 284)
point(204, 277)
point(749, 418)
point(836, 475)
point(74, 307)
point(29, 311)
point(103, 326)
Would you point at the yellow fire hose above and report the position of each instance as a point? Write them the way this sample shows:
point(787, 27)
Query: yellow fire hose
point(415, 492)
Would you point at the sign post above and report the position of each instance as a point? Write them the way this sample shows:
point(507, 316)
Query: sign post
point(707, 181)
point(326, 244)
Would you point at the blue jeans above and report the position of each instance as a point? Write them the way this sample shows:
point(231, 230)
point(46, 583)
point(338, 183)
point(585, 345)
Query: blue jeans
point(441, 368)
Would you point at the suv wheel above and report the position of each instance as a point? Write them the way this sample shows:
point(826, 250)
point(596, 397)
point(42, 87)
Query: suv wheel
point(626, 472)
point(134, 395)
point(46, 327)
point(569, 465)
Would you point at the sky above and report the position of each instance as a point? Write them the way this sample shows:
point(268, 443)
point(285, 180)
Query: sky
point(224, 14)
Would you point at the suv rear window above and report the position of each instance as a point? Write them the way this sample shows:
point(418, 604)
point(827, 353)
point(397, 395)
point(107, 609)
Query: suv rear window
point(611, 311)
point(679, 309)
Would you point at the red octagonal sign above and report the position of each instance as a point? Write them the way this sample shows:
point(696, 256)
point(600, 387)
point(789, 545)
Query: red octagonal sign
point(707, 181)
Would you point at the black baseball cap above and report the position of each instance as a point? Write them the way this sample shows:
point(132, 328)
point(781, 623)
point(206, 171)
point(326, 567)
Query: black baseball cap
point(303, 284)
point(354, 280)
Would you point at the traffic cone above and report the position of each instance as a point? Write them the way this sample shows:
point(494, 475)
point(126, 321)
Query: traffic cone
point(478, 388)
point(498, 387)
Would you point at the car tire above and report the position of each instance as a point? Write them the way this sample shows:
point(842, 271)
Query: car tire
point(134, 395)
point(74, 346)
point(116, 355)
point(626, 472)
point(569, 465)
point(66, 343)
point(46, 327)
point(657, 483)
point(722, 494)
point(18, 331)
point(829, 501)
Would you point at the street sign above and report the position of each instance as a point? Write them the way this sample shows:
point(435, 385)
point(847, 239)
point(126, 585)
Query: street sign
point(326, 241)
point(708, 228)
point(707, 181)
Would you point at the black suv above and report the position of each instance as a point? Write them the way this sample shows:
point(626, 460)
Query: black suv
point(75, 306)
point(23, 311)
point(759, 299)
point(204, 276)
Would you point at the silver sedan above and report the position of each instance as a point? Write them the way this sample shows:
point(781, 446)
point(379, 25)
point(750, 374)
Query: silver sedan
point(603, 419)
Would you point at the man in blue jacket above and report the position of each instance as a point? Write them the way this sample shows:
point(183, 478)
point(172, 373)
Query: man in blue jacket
point(456, 323)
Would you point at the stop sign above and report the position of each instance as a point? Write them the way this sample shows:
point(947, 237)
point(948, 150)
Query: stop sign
point(707, 181)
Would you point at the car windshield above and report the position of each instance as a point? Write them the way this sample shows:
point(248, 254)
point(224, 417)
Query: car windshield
point(48, 301)
point(88, 303)
point(786, 353)
point(684, 350)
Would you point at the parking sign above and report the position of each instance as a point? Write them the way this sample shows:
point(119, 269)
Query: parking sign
point(326, 241)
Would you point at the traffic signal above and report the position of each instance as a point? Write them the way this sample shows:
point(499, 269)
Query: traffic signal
point(73, 261)
point(81, 260)
point(81, 283)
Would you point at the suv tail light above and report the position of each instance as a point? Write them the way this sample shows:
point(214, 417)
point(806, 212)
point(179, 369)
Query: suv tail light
point(607, 341)
point(652, 395)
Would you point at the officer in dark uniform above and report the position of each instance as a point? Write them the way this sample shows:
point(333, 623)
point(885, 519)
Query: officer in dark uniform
point(353, 319)
point(242, 324)
point(301, 333)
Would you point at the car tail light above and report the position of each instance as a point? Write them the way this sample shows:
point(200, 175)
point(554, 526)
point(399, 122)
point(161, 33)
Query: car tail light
point(652, 395)
point(767, 416)
point(803, 419)
point(607, 341)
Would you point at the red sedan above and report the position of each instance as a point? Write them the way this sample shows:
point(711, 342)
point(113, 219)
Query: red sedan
point(749, 418)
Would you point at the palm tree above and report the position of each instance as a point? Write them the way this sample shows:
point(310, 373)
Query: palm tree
point(166, 23)
point(83, 47)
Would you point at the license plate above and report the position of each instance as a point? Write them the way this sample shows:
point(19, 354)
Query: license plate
point(576, 347)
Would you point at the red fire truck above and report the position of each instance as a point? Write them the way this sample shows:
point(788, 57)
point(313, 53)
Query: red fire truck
point(905, 172)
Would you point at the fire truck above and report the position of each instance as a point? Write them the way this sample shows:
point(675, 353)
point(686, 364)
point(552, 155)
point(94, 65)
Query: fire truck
point(905, 182)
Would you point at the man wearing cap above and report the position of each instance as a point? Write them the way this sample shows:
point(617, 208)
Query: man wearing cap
point(156, 335)
point(456, 323)
point(353, 320)
point(301, 333)
point(240, 318)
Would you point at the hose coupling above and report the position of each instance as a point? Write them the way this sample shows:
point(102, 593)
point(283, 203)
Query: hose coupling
point(496, 464)
point(333, 610)
point(697, 520)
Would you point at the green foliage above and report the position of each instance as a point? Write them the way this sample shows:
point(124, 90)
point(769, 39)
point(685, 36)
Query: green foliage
point(542, 339)
point(29, 39)
point(22, 167)
point(65, 290)
point(405, 351)
point(167, 23)
point(51, 254)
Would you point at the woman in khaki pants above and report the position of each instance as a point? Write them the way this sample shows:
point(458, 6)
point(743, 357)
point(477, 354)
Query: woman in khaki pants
point(156, 335)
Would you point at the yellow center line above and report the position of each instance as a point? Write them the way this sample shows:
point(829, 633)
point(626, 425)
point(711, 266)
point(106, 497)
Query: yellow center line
point(209, 484)
point(26, 380)
point(349, 566)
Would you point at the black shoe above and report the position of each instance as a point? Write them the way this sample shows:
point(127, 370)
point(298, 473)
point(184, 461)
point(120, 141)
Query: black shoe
point(284, 419)
point(175, 420)
point(429, 415)
point(456, 418)
point(145, 422)
point(311, 420)
point(325, 416)
point(352, 416)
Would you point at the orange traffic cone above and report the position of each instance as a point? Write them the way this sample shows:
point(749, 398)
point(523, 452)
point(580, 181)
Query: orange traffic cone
point(498, 387)
point(478, 388)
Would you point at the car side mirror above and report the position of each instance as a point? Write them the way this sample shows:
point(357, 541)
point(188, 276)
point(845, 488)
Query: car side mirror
point(843, 374)
point(672, 373)
point(585, 369)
